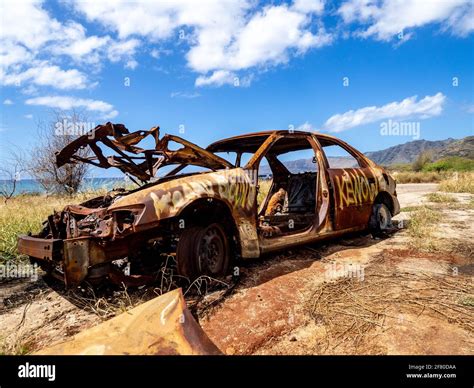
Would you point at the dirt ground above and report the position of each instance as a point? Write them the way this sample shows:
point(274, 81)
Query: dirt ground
point(356, 295)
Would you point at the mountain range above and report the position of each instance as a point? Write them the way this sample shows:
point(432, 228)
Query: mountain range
point(399, 154)
point(408, 152)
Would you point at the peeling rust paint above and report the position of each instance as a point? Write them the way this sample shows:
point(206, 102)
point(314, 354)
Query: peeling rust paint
point(354, 188)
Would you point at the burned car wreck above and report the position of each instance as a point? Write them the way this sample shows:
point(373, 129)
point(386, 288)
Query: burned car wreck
point(207, 217)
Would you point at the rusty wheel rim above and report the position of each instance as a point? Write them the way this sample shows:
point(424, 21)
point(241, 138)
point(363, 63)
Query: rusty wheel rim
point(211, 250)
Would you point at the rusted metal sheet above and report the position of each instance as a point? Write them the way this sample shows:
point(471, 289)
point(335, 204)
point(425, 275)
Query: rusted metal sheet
point(134, 160)
point(161, 326)
point(76, 260)
point(354, 192)
point(47, 249)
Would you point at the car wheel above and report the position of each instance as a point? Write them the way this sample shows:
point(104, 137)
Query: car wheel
point(203, 250)
point(381, 218)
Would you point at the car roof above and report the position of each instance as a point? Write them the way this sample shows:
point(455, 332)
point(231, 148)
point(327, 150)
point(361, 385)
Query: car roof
point(251, 142)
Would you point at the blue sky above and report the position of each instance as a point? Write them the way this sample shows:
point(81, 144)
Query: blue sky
point(226, 68)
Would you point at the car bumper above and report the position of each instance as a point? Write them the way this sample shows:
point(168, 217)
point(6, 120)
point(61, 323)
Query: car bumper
point(72, 258)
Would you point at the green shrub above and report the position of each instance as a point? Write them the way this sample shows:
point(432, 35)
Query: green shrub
point(424, 158)
point(454, 163)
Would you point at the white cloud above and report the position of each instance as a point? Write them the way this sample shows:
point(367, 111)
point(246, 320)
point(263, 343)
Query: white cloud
point(223, 77)
point(358, 10)
point(386, 19)
point(30, 90)
point(25, 22)
point(315, 6)
point(306, 127)
point(43, 74)
point(77, 45)
point(132, 64)
point(155, 20)
point(269, 37)
point(408, 108)
point(25, 31)
point(7, 102)
point(217, 78)
point(184, 95)
point(12, 54)
point(159, 20)
point(29, 116)
point(105, 109)
point(221, 40)
point(461, 21)
point(223, 36)
point(155, 53)
point(121, 50)
point(34, 46)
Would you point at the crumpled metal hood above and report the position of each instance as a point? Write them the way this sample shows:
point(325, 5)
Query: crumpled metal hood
point(132, 159)
point(161, 326)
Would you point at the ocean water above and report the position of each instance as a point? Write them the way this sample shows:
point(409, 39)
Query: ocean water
point(32, 186)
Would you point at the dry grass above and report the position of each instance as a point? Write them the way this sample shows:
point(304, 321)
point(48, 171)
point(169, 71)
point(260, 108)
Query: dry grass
point(421, 227)
point(419, 177)
point(18, 348)
point(408, 209)
point(351, 310)
point(460, 205)
point(203, 293)
point(441, 198)
point(26, 213)
point(106, 305)
point(263, 189)
point(458, 183)
point(454, 182)
point(422, 220)
point(110, 302)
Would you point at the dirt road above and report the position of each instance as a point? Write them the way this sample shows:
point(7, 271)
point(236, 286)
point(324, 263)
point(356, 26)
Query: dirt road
point(356, 295)
point(413, 194)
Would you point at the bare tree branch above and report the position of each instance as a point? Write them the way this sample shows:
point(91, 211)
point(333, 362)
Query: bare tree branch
point(11, 172)
point(52, 137)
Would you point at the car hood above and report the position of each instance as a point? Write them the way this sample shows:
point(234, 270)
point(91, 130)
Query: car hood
point(167, 199)
point(133, 160)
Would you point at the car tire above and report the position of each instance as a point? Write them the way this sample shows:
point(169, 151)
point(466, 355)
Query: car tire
point(381, 218)
point(203, 250)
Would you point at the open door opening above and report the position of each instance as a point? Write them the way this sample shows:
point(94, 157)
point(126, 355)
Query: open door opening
point(287, 182)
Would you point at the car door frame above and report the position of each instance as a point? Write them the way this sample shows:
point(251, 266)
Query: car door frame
point(353, 190)
point(322, 196)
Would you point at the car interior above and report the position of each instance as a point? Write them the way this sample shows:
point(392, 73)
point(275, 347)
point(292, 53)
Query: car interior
point(290, 204)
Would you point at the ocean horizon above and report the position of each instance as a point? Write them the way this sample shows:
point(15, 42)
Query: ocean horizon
point(32, 186)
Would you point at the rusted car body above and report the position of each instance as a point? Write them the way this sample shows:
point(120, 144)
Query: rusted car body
point(206, 219)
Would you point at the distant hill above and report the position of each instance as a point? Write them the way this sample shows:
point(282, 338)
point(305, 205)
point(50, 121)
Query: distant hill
point(301, 165)
point(463, 148)
point(408, 152)
point(399, 154)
